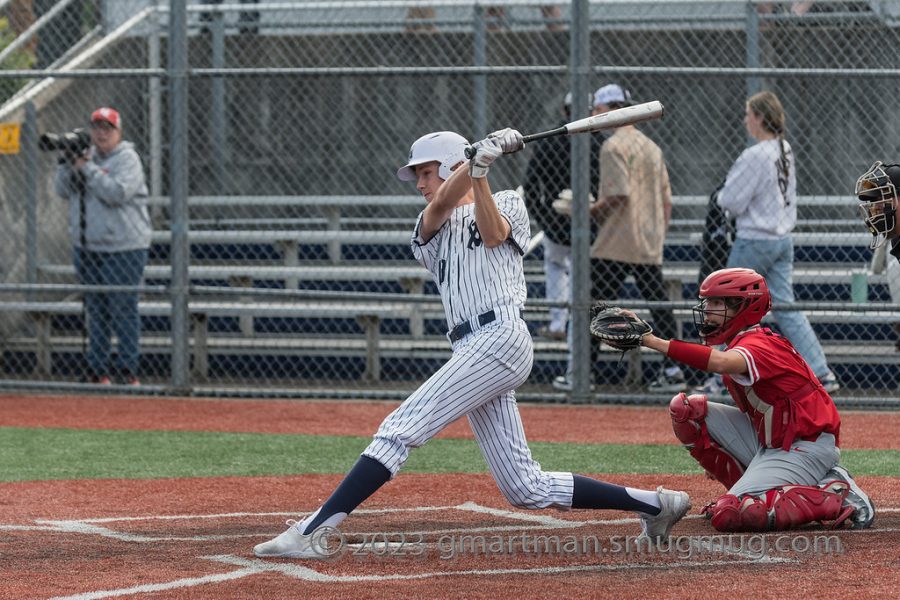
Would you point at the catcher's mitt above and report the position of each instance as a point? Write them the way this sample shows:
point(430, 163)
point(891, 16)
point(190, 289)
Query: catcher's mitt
point(614, 328)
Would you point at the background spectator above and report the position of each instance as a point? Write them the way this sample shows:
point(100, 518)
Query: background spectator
point(547, 178)
point(633, 209)
point(110, 229)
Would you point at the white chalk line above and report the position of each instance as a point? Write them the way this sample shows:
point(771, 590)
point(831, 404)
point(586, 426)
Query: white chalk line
point(91, 529)
point(27, 528)
point(509, 514)
point(467, 506)
point(148, 588)
point(237, 515)
point(88, 526)
point(541, 523)
point(307, 574)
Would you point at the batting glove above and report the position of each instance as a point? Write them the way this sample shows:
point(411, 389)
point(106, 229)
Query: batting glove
point(510, 140)
point(486, 152)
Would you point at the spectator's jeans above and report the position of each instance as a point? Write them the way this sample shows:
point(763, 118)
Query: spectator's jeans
point(112, 312)
point(557, 265)
point(774, 260)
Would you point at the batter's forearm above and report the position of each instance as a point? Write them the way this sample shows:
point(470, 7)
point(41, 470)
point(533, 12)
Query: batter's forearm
point(494, 229)
point(452, 190)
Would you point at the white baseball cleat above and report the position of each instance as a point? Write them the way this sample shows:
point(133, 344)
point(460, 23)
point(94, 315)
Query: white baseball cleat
point(863, 508)
point(290, 544)
point(673, 507)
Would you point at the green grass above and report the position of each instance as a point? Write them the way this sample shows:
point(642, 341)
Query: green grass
point(46, 454)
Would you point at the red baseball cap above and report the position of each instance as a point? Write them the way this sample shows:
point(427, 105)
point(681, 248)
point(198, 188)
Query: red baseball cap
point(110, 115)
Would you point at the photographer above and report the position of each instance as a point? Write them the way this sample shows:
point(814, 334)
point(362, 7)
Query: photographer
point(110, 228)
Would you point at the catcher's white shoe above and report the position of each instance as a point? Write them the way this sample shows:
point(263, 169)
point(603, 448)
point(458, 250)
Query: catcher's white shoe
point(290, 544)
point(863, 507)
point(673, 506)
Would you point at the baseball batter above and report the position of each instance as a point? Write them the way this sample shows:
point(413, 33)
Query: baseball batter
point(471, 241)
point(777, 452)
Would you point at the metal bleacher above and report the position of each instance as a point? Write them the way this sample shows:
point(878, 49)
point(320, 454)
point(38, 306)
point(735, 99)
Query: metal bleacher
point(392, 300)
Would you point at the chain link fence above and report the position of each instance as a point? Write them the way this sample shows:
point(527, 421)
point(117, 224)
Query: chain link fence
point(298, 274)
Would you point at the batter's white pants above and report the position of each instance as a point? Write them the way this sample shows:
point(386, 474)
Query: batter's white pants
point(557, 268)
point(478, 381)
point(806, 463)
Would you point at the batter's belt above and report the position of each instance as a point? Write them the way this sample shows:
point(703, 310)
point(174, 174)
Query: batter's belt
point(476, 323)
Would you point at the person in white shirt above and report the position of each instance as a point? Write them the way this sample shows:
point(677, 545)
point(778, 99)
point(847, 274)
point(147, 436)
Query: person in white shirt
point(761, 193)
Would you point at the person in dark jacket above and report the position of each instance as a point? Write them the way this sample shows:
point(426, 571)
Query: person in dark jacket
point(548, 198)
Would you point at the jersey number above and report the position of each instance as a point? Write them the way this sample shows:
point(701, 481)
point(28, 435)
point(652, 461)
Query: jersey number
point(474, 236)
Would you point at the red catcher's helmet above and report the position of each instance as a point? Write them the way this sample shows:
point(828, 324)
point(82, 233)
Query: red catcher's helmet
point(750, 300)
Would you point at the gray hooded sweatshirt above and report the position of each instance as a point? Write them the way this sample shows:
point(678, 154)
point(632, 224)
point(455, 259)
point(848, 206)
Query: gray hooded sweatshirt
point(115, 197)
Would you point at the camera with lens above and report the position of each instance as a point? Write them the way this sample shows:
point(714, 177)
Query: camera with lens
point(72, 143)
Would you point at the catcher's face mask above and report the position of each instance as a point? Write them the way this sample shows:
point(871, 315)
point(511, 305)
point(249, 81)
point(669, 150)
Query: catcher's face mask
point(878, 202)
point(713, 318)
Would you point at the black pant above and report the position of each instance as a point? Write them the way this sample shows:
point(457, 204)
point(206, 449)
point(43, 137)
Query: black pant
point(607, 278)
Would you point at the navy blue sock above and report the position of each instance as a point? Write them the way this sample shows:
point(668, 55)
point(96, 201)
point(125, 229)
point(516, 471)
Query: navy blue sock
point(591, 493)
point(363, 480)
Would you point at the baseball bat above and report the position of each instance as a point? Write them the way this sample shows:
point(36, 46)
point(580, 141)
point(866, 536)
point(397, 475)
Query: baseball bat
point(619, 117)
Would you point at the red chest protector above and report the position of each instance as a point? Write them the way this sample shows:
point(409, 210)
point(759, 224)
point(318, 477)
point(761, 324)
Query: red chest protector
point(785, 400)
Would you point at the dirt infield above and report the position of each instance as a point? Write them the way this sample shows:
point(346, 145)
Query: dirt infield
point(192, 538)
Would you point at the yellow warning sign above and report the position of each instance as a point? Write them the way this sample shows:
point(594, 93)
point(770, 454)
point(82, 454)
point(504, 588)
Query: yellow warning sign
point(9, 138)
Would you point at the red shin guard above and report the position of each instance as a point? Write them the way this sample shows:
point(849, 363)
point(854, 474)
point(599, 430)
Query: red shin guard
point(689, 423)
point(731, 513)
point(779, 509)
point(798, 505)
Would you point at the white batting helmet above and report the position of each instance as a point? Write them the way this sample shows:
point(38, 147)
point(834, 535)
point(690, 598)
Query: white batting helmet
point(445, 147)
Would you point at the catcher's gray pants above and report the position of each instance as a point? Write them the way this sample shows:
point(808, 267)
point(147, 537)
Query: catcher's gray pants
point(478, 381)
point(806, 463)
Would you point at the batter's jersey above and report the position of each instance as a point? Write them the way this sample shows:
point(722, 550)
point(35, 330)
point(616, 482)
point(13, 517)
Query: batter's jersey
point(472, 278)
point(779, 392)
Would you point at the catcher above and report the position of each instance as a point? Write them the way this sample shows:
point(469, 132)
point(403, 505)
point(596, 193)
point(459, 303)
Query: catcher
point(777, 453)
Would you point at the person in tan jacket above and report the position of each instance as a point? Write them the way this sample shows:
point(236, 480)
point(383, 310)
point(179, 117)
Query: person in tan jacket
point(633, 208)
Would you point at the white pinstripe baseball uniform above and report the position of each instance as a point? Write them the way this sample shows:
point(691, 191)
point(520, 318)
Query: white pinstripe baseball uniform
point(482, 289)
point(482, 286)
